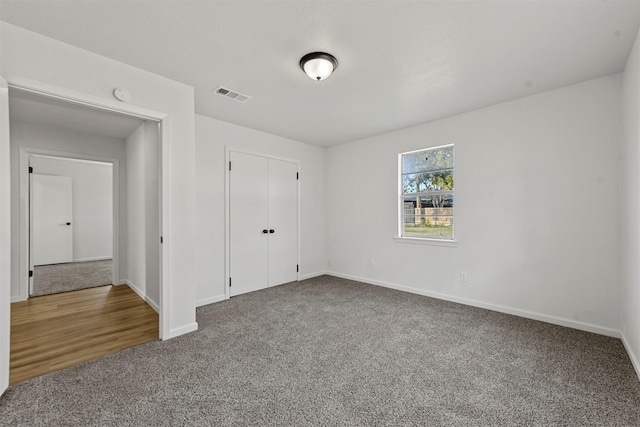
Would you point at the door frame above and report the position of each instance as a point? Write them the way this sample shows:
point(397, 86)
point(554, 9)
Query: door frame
point(5, 236)
point(26, 218)
point(106, 104)
point(227, 210)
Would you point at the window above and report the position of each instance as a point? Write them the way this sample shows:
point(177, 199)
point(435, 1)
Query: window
point(426, 193)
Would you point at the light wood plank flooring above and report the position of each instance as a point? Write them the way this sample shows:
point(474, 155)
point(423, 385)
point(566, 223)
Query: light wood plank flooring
point(54, 332)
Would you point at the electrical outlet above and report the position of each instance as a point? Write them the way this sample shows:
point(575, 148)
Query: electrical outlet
point(328, 263)
point(463, 276)
point(372, 263)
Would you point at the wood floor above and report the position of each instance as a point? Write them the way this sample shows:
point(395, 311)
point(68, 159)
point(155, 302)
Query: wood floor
point(54, 332)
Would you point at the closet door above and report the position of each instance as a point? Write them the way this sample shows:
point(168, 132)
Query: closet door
point(248, 219)
point(283, 221)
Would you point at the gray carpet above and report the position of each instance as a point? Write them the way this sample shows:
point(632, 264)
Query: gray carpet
point(333, 352)
point(73, 276)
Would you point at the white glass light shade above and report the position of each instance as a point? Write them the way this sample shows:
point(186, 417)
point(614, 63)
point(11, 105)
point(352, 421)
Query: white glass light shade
point(318, 69)
point(318, 65)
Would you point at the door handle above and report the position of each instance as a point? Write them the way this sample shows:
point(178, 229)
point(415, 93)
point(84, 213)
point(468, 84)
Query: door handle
point(68, 223)
point(265, 231)
point(272, 231)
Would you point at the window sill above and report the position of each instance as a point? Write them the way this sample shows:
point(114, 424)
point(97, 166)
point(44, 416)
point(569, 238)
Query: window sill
point(423, 241)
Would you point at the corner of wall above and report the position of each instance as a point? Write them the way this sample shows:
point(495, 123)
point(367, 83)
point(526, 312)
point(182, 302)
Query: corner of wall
point(153, 304)
point(632, 356)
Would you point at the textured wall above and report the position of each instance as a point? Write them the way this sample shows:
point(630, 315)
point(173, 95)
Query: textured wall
point(536, 180)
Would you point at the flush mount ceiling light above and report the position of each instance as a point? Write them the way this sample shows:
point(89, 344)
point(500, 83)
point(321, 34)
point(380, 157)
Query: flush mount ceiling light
point(318, 65)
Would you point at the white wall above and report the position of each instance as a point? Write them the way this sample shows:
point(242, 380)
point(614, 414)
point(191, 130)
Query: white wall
point(29, 57)
point(535, 208)
point(211, 138)
point(630, 231)
point(143, 238)
point(44, 137)
point(92, 204)
point(152, 216)
point(136, 211)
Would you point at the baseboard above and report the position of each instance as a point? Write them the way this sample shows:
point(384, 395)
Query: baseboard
point(18, 298)
point(142, 295)
point(211, 300)
point(183, 330)
point(494, 307)
point(311, 275)
point(634, 359)
point(98, 258)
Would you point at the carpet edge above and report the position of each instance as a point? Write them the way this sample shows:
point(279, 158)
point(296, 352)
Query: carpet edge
point(587, 327)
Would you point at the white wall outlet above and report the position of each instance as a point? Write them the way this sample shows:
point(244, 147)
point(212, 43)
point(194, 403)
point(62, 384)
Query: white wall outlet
point(328, 263)
point(463, 276)
point(372, 263)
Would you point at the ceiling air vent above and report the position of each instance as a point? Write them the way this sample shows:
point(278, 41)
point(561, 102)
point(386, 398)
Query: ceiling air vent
point(232, 94)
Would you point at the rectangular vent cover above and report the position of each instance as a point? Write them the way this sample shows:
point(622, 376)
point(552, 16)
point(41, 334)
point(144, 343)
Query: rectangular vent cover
point(232, 94)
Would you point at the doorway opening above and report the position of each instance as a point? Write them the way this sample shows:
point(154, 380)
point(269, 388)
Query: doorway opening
point(45, 129)
point(71, 224)
point(51, 137)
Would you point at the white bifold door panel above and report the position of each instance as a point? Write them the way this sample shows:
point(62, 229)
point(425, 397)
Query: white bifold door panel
point(52, 219)
point(248, 217)
point(283, 222)
point(263, 222)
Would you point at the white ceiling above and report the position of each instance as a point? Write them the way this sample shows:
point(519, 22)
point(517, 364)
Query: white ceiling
point(400, 62)
point(36, 109)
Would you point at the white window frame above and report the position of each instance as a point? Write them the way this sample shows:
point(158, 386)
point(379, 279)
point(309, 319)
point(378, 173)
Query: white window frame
point(400, 238)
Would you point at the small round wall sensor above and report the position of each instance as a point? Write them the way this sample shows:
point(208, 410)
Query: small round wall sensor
point(121, 94)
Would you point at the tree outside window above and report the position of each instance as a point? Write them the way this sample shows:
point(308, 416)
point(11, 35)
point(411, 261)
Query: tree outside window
point(427, 193)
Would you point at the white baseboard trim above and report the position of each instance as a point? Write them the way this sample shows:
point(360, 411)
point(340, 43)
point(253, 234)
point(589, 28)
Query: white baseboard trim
point(494, 307)
point(210, 300)
point(98, 258)
point(142, 295)
point(18, 298)
point(634, 358)
point(311, 275)
point(183, 330)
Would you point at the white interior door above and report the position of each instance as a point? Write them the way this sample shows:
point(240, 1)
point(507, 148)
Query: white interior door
point(52, 219)
point(283, 222)
point(248, 223)
point(5, 237)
